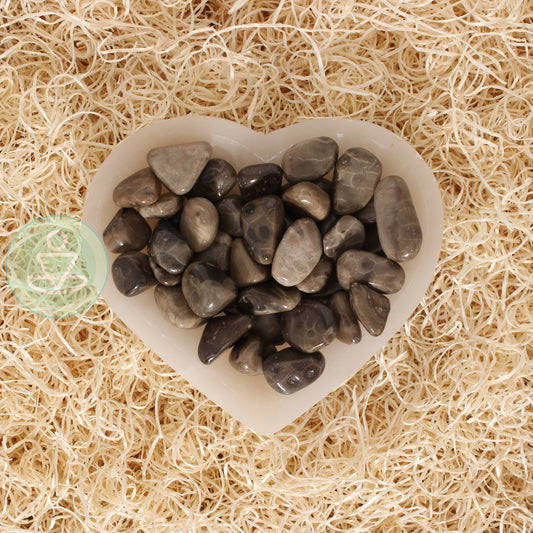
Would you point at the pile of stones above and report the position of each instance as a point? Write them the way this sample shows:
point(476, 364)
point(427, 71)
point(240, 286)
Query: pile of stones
point(302, 254)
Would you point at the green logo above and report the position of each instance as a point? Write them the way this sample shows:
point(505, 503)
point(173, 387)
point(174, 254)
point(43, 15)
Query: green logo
point(56, 266)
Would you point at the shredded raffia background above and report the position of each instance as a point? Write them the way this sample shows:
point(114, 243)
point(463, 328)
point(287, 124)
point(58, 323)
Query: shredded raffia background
point(433, 434)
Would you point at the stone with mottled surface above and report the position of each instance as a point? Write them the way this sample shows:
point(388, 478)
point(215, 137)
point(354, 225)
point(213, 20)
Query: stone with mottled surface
point(179, 166)
point(309, 160)
point(248, 353)
point(378, 272)
point(309, 327)
point(173, 306)
point(262, 226)
point(216, 180)
point(348, 232)
point(307, 199)
point(168, 248)
point(259, 180)
point(218, 254)
point(298, 253)
point(348, 329)
point(290, 370)
point(268, 327)
point(367, 215)
point(243, 269)
point(318, 278)
point(370, 307)
point(267, 298)
point(167, 206)
point(138, 189)
point(199, 223)
point(221, 333)
point(229, 215)
point(162, 276)
point(132, 274)
point(207, 289)
point(355, 178)
point(127, 231)
point(399, 229)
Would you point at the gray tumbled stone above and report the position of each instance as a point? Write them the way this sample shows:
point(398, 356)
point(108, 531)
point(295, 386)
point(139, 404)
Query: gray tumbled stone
point(167, 206)
point(173, 306)
point(243, 269)
point(318, 278)
point(141, 188)
point(267, 298)
point(308, 199)
point(248, 353)
point(132, 274)
point(216, 180)
point(199, 223)
point(348, 329)
point(162, 276)
point(348, 232)
point(229, 215)
point(309, 160)
point(168, 248)
point(218, 254)
point(127, 231)
point(370, 307)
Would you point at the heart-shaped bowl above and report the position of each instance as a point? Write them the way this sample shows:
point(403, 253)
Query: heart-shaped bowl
point(249, 398)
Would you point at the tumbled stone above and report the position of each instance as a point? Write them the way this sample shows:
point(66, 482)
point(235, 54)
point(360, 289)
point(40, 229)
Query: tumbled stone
point(309, 160)
point(173, 306)
point(162, 276)
point(259, 180)
point(268, 327)
point(199, 223)
point(325, 225)
point(220, 333)
point(248, 353)
point(207, 289)
point(372, 243)
point(380, 273)
point(370, 307)
point(309, 326)
point(298, 252)
point(167, 206)
point(218, 254)
point(290, 370)
point(243, 269)
point(216, 180)
point(267, 298)
point(179, 166)
point(262, 226)
point(399, 230)
point(127, 231)
point(168, 248)
point(132, 274)
point(367, 215)
point(347, 233)
point(229, 215)
point(324, 184)
point(348, 329)
point(318, 278)
point(308, 199)
point(141, 188)
point(355, 178)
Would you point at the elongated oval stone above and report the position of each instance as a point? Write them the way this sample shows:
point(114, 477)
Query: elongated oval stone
point(268, 327)
point(267, 298)
point(199, 223)
point(132, 274)
point(220, 333)
point(370, 307)
point(318, 278)
point(207, 289)
point(248, 353)
point(162, 276)
point(308, 199)
point(262, 226)
point(243, 269)
point(259, 180)
point(298, 252)
point(167, 206)
point(168, 248)
point(229, 215)
point(216, 180)
point(179, 166)
point(309, 326)
point(127, 231)
point(399, 230)
point(348, 329)
point(141, 188)
point(309, 160)
point(218, 254)
point(290, 370)
point(380, 273)
point(347, 233)
point(173, 306)
point(355, 178)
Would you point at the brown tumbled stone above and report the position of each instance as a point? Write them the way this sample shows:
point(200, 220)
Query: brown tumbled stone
point(132, 273)
point(309, 160)
point(243, 269)
point(173, 306)
point(199, 223)
point(141, 188)
point(308, 199)
point(167, 206)
point(348, 232)
point(318, 278)
point(267, 298)
point(127, 231)
point(371, 308)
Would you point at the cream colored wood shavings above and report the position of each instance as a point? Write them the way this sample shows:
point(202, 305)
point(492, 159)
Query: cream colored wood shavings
point(435, 433)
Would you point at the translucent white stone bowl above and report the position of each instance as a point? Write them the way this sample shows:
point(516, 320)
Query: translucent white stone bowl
point(249, 398)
